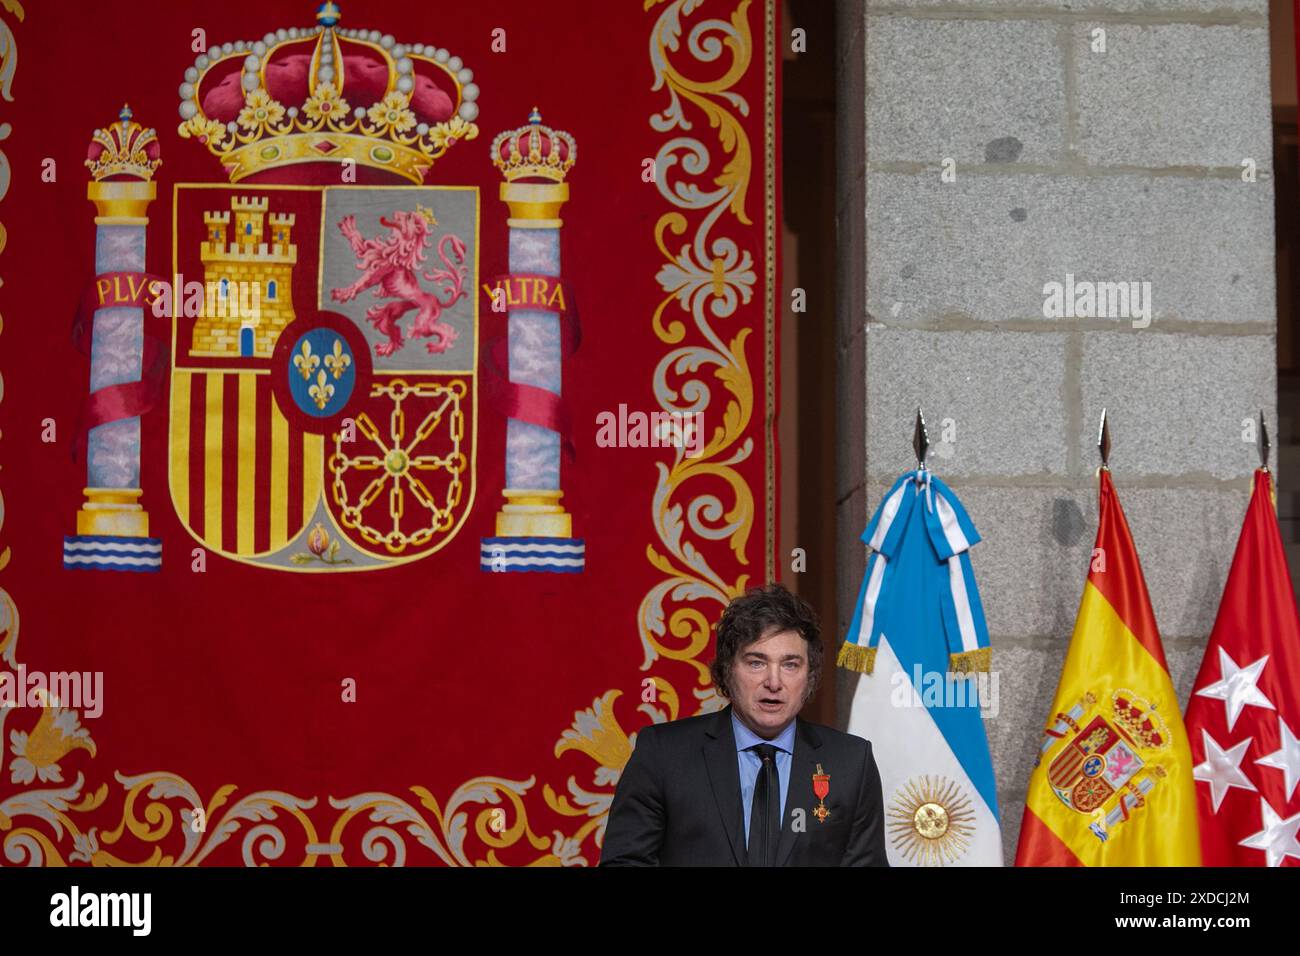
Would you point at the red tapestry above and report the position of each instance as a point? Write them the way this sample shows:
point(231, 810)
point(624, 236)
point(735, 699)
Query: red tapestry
point(387, 413)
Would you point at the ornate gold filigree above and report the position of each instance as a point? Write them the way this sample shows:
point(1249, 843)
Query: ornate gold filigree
point(58, 731)
point(706, 278)
point(501, 824)
point(8, 59)
point(597, 733)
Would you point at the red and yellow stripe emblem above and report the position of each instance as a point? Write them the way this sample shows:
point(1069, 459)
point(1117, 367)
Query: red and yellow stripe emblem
point(243, 479)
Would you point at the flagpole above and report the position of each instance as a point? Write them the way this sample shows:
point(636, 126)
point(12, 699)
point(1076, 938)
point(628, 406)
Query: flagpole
point(920, 440)
point(1264, 446)
point(1262, 443)
point(1103, 441)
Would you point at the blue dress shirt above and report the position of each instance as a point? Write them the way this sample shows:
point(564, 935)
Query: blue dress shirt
point(751, 764)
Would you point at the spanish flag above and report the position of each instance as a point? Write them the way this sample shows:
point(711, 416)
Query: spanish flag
point(1112, 785)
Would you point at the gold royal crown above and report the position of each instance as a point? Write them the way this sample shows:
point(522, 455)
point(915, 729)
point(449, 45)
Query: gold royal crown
point(124, 149)
point(324, 95)
point(1138, 719)
point(534, 151)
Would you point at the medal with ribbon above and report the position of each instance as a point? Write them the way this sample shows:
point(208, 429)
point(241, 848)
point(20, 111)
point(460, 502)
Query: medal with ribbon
point(821, 787)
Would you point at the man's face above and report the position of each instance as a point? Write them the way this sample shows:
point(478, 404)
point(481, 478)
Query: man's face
point(769, 679)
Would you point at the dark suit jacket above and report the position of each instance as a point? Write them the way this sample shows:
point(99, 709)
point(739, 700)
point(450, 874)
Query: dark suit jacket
point(678, 801)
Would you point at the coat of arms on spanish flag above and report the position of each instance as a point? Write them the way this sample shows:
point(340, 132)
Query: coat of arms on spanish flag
point(1112, 785)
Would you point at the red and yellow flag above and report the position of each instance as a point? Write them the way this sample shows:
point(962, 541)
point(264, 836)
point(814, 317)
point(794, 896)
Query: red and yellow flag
point(1113, 782)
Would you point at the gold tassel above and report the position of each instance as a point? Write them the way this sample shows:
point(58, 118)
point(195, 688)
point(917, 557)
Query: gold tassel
point(968, 662)
point(856, 658)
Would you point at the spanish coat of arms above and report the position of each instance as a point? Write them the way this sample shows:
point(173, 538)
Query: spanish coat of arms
point(323, 402)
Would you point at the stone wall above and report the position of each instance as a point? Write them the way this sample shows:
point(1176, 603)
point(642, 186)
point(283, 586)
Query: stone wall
point(1117, 166)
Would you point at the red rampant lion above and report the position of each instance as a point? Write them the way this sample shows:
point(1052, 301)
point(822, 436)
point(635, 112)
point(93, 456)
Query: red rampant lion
point(388, 263)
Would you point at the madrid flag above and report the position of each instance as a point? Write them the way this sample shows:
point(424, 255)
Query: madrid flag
point(1113, 782)
point(1243, 714)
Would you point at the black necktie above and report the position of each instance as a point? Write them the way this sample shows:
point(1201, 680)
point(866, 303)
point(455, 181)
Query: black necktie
point(765, 810)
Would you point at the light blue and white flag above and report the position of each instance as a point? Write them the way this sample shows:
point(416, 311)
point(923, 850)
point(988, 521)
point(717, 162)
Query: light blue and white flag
point(919, 640)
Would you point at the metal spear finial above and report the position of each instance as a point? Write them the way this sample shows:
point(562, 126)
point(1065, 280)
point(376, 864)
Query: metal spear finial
point(1262, 442)
point(920, 439)
point(1103, 440)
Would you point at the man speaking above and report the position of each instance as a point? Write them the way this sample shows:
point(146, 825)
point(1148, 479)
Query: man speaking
point(752, 784)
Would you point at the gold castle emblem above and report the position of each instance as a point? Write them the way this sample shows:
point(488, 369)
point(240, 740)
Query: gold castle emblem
point(247, 278)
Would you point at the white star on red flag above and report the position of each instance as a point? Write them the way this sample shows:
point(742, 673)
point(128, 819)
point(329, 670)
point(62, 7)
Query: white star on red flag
point(1236, 686)
point(1286, 758)
point(1222, 768)
point(1240, 716)
point(1278, 839)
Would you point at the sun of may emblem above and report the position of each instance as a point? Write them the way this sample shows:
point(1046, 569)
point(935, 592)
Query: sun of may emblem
point(931, 821)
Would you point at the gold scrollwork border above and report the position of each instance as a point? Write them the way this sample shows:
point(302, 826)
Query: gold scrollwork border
point(703, 510)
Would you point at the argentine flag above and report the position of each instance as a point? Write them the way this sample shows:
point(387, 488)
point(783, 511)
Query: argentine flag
point(919, 640)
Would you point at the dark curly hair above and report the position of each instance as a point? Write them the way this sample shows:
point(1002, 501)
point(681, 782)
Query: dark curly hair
point(759, 612)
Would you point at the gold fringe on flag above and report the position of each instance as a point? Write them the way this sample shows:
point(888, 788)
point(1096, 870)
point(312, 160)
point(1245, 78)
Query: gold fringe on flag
point(856, 658)
point(968, 662)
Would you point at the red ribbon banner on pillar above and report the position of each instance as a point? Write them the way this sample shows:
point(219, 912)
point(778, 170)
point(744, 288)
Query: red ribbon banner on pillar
point(128, 399)
point(528, 403)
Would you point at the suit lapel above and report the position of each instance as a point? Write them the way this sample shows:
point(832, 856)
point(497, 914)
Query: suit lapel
point(799, 793)
point(724, 776)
